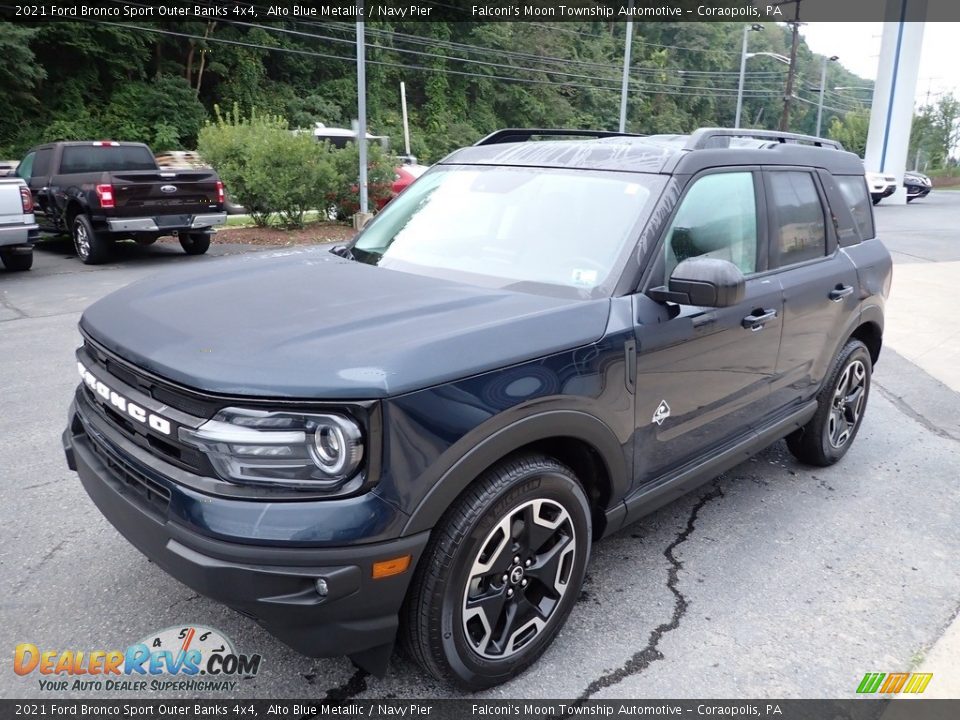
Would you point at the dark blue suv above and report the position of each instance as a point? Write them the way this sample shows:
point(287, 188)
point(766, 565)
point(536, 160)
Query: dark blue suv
point(419, 435)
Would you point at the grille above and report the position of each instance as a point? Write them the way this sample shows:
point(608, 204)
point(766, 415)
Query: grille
point(155, 495)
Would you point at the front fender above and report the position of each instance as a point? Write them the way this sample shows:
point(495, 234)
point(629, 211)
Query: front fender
point(467, 459)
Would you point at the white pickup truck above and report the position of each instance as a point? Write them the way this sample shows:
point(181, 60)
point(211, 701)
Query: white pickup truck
point(18, 228)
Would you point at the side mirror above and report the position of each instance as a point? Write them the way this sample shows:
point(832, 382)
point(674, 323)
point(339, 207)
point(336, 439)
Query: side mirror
point(703, 281)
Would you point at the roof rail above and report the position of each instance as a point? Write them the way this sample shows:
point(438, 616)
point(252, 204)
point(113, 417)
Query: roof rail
point(508, 135)
point(713, 138)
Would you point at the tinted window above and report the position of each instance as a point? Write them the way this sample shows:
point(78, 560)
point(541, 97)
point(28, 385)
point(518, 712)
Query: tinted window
point(25, 168)
point(854, 191)
point(41, 164)
point(799, 231)
point(99, 158)
point(717, 218)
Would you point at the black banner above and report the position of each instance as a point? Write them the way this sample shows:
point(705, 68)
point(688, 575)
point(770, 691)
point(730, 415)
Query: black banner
point(482, 10)
point(852, 709)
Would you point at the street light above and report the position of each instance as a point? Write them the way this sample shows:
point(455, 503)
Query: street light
point(755, 27)
point(823, 85)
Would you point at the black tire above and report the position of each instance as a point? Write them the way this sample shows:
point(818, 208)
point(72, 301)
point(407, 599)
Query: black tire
point(17, 261)
point(832, 430)
point(195, 243)
point(494, 516)
point(92, 247)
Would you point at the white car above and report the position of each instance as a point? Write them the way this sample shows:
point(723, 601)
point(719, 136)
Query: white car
point(880, 185)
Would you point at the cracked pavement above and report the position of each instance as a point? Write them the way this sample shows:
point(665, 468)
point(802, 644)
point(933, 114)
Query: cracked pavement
point(774, 580)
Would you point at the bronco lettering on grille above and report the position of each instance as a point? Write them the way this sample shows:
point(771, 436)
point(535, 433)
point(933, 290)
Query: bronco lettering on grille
point(118, 402)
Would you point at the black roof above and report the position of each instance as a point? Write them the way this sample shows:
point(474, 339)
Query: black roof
point(669, 154)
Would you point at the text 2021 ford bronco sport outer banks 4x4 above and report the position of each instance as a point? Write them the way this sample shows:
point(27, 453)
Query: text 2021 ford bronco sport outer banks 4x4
point(421, 434)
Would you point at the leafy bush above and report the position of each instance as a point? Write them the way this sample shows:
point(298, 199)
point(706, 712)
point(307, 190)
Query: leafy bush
point(345, 199)
point(266, 168)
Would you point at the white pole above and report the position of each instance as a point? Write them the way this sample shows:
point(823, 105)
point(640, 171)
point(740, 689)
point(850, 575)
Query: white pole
point(626, 72)
point(743, 67)
point(406, 125)
point(362, 109)
point(823, 83)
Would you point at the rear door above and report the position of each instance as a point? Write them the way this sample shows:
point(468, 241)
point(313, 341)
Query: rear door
point(818, 279)
point(703, 373)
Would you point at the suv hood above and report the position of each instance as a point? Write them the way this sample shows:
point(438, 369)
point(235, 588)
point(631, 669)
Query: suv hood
point(308, 324)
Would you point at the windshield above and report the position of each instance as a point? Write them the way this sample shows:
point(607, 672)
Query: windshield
point(553, 231)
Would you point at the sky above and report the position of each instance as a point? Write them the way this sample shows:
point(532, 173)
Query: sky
point(858, 46)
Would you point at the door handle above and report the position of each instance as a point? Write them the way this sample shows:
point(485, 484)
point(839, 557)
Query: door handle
point(840, 292)
point(756, 320)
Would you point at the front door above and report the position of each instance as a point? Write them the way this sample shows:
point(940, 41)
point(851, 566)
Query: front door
point(703, 374)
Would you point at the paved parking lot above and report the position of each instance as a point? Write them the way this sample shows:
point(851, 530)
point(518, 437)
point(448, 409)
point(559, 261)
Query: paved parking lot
point(775, 580)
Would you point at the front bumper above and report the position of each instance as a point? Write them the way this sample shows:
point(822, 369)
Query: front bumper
point(273, 584)
point(151, 224)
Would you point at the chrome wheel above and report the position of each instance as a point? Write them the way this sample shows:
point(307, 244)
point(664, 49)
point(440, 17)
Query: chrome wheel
point(518, 578)
point(81, 240)
point(847, 404)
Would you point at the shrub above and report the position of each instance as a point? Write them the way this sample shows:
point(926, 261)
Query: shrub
point(229, 145)
point(345, 199)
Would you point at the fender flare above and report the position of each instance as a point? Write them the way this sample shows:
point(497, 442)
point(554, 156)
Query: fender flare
point(447, 484)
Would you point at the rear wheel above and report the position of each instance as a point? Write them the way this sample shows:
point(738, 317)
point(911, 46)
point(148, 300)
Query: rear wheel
point(17, 260)
point(92, 248)
point(195, 243)
point(503, 570)
point(842, 402)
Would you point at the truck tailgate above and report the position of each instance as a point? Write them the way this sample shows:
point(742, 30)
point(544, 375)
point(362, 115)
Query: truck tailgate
point(151, 193)
point(11, 206)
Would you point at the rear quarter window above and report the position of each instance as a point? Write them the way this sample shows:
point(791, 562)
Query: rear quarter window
point(799, 230)
point(853, 188)
point(98, 158)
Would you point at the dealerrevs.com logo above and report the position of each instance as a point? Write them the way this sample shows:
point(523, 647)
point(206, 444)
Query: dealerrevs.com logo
point(191, 658)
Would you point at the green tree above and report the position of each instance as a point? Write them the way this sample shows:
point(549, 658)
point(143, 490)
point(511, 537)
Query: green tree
point(851, 131)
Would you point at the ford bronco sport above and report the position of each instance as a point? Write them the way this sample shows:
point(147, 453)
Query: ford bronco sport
point(418, 436)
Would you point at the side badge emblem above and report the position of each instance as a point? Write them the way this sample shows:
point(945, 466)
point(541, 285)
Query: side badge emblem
point(662, 412)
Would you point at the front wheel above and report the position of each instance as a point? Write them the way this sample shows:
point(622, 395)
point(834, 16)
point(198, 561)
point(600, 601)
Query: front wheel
point(195, 243)
point(841, 404)
point(503, 570)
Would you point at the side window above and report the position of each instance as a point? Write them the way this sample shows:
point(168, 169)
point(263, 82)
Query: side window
point(854, 191)
point(717, 218)
point(799, 231)
point(41, 164)
point(25, 168)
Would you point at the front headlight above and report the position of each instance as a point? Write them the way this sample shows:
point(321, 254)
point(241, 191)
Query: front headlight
point(310, 450)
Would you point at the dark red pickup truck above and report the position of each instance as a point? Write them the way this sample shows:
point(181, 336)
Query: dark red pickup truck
point(102, 191)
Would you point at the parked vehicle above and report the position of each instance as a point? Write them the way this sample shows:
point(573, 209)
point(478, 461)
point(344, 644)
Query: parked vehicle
point(18, 229)
point(881, 186)
point(191, 160)
point(404, 175)
point(422, 433)
point(7, 167)
point(103, 191)
point(917, 184)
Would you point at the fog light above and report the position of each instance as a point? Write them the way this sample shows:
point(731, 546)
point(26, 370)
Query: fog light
point(321, 587)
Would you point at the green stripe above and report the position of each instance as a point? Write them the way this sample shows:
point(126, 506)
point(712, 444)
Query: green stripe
point(871, 682)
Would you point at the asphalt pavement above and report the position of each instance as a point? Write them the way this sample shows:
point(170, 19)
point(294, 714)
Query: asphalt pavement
point(774, 580)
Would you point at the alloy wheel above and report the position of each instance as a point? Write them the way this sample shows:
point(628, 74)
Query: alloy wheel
point(847, 405)
point(518, 578)
point(81, 240)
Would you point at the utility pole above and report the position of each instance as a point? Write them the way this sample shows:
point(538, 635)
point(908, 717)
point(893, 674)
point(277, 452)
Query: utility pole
point(823, 87)
point(362, 117)
point(791, 74)
point(626, 71)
